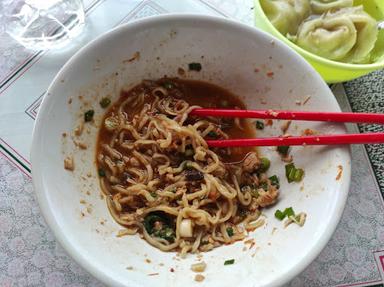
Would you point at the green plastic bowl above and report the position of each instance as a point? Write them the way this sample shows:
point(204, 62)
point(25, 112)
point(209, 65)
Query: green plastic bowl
point(332, 71)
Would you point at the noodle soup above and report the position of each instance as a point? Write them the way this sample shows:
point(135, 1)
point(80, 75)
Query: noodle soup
point(161, 179)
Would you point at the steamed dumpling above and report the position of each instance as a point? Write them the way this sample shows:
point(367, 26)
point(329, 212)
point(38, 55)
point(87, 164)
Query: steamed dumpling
point(348, 35)
point(323, 6)
point(331, 38)
point(367, 33)
point(286, 15)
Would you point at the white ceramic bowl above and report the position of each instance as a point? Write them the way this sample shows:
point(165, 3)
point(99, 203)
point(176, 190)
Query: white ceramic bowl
point(234, 56)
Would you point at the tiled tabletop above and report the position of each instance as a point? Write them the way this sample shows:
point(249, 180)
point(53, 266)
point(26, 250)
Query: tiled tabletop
point(29, 254)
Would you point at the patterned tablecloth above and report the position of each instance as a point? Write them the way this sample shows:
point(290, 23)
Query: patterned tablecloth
point(29, 254)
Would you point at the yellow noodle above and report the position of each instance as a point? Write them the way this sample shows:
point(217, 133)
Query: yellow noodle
point(157, 163)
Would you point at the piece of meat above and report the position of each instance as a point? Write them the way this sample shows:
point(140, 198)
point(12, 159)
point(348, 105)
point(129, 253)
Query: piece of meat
point(251, 162)
point(266, 198)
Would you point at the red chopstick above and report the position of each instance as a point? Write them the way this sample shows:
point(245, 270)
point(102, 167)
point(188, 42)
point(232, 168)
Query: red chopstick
point(337, 139)
point(292, 115)
point(368, 138)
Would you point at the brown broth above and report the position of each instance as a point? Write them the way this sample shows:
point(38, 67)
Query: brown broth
point(199, 93)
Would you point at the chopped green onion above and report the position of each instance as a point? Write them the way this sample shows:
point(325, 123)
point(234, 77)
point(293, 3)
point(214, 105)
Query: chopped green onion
point(161, 230)
point(168, 85)
point(189, 152)
point(149, 222)
point(259, 125)
point(289, 168)
point(283, 150)
point(101, 172)
point(213, 134)
point(105, 102)
point(275, 181)
point(254, 192)
point(293, 174)
point(166, 233)
point(230, 231)
point(229, 262)
point(194, 67)
point(299, 173)
point(264, 186)
point(88, 115)
point(279, 214)
point(289, 212)
point(264, 165)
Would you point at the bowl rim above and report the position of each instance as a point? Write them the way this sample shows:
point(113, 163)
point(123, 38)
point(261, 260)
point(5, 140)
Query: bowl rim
point(37, 177)
point(308, 54)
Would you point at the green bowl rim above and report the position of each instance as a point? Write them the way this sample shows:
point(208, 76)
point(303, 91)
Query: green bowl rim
point(304, 52)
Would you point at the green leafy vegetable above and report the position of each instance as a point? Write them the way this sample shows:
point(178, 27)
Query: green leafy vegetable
point(229, 262)
point(105, 102)
point(159, 226)
point(275, 181)
point(166, 233)
point(259, 125)
point(88, 115)
point(194, 67)
point(150, 220)
point(230, 231)
point(283, 150)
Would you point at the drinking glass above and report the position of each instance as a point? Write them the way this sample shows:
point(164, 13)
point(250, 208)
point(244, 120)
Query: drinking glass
point(43, 24)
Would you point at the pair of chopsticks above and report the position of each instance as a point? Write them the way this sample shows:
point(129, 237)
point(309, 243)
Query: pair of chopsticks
point(334, 139)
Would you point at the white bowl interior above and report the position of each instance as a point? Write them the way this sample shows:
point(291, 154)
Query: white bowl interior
point(233, 56)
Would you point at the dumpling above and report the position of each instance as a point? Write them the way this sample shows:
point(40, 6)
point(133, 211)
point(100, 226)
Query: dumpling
point(348, 35)
point(367, 34)
point(323, 6)
point(331, 38)
point(286, 15)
